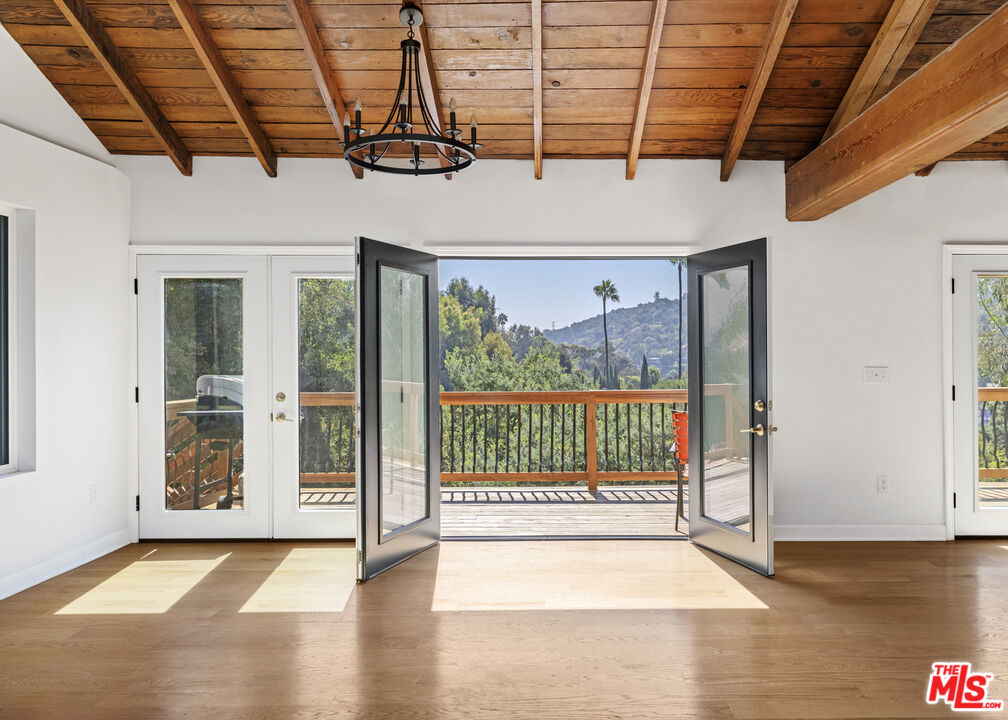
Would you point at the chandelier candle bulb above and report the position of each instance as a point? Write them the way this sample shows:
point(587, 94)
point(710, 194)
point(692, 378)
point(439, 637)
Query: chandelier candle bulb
point(357, 114)
point(346, 129)
point(472, 130)
point(451, 115)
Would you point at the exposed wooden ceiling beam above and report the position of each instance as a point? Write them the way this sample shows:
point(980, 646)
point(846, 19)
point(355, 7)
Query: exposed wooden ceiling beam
point(231, 92)
point(895, 39)
point(956, 99)
point(327, 87)
point(926, 170)
point(537, 88)
point(644, 87)
point(79, 15)
point(779, 23)
point(431, 88)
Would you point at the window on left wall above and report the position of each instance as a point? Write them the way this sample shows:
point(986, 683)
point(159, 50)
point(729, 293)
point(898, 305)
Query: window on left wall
point(8, 461)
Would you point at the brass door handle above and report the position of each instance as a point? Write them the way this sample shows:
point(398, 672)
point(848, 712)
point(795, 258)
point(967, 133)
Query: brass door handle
point(281, 417)
point(760, 430)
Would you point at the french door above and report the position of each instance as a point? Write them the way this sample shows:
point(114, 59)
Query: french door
point(399, 448)
point(730, 407)
point(246, 396)
point(980, 407)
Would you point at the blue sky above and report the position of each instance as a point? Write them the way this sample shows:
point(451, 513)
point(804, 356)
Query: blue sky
point(542, 292)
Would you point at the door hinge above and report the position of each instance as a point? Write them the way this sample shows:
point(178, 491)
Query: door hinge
point(138, 503)
point(136, 394)
point(136, 286)
point(953, 393)
point(953, 501)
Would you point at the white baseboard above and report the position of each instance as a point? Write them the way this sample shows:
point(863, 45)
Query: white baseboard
point(40, 572)
point(859, 532)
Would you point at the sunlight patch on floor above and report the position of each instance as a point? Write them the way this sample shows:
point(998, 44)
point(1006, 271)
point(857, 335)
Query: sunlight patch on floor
point(588, 575)
point(307, 580)
point(148, 586)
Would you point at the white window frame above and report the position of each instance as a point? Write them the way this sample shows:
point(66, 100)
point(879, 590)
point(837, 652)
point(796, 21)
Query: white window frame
point(11, 466)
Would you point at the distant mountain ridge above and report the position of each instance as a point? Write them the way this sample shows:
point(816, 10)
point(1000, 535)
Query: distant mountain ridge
point(649, 329)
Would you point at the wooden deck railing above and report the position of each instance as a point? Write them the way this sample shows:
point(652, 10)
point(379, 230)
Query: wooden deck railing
point(561, 438)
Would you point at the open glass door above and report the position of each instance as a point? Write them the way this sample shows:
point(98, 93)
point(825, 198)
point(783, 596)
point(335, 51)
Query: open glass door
point(730, 423)
point(398, 450)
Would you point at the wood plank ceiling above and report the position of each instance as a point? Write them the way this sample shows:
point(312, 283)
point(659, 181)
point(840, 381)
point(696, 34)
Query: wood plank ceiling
point(594, 55)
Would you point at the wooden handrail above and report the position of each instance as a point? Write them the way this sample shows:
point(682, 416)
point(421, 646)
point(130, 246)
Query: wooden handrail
point(992, 394)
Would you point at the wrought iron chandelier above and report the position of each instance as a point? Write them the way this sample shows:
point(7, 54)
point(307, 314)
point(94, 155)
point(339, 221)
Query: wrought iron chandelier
point(399, 133)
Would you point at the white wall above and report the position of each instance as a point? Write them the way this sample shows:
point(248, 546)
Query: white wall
point(861, 287)
point(82, 388)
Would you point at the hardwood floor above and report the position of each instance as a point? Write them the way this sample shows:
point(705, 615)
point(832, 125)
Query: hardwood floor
point(545, 630)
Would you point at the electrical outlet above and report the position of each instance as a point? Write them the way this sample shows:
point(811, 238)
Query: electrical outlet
point(876, 374)
point(94, 493)
point(883, 484)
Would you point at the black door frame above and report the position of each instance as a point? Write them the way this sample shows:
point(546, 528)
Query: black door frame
point(376, 553)
point(755, 548)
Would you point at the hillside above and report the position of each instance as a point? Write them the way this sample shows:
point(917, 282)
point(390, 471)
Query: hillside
point(647, 329)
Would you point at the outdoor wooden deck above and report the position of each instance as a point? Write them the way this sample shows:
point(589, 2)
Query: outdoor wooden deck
point(542, 512)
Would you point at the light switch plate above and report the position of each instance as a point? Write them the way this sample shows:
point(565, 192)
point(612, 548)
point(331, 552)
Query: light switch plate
point(876, 374)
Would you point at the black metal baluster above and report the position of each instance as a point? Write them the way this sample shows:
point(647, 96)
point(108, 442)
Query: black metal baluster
point(530, 438)
point(640, 437)
point(474, 438)
point(616, 414)
point(451, 442)
point(563, 440)
point(629, 461)
point(507, 437)
point(541, 409)
point(518, 443)
point(441, 419)
point(664, 449)
point(462, 439)
point(650, 410)
point(486, 437)
point(552, 436)
point(496, 438)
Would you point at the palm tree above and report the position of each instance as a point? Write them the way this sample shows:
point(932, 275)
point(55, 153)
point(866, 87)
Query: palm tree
point(607, 291)
point(502, 320)
point(679, 263)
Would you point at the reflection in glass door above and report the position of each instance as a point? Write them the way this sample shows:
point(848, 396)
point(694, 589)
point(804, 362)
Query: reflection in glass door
point(313, 397)
point(202, 376)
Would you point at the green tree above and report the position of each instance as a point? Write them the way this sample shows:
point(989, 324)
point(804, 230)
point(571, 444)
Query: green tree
point(479, 299)
point(608, 292)
point(645, 375)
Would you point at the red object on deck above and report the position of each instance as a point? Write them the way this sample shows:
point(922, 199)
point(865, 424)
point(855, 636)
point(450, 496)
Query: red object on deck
point(680, 456)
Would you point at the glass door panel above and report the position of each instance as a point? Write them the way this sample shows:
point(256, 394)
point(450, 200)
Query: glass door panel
point(398, 467)
point(314, 433)
point(730, 409)
point(204, 415)
point(727, 490)
point(402, 350)
point(201, 374)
